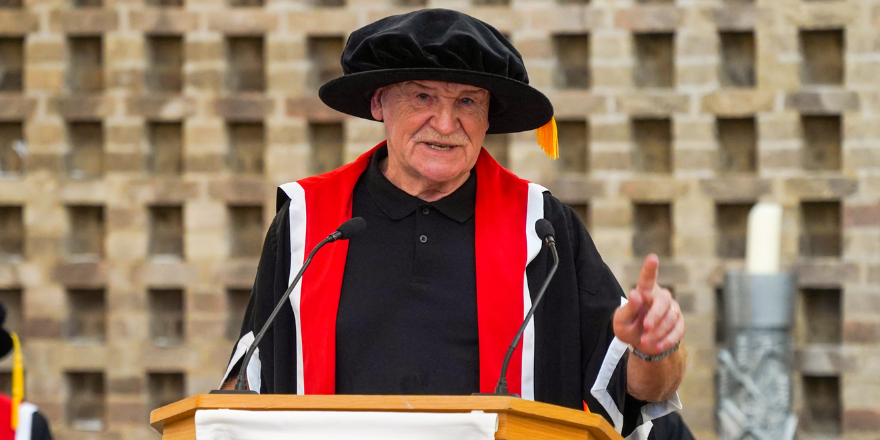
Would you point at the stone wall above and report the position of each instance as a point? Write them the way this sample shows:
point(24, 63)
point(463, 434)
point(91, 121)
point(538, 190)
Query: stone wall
point(141, 142)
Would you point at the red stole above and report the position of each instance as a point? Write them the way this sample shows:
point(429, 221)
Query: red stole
point(6, 431)
point(500, 250)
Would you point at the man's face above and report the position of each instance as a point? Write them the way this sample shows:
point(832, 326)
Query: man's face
point(435, 130)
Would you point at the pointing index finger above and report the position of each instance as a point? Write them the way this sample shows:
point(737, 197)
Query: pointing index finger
point(648, 276)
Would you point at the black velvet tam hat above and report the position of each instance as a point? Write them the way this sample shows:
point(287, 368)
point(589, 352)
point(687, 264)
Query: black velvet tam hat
point(438, 45)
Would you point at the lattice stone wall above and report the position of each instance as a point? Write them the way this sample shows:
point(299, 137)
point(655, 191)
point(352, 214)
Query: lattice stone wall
point(141, 142)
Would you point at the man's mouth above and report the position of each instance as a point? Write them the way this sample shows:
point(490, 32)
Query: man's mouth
point(440, 147)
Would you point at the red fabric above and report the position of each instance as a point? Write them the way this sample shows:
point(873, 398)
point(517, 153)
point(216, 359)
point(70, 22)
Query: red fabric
point(500, 252)
point(6, 431)
point(331, 193)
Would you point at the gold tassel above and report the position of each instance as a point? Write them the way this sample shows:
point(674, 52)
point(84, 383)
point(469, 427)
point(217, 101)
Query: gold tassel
point(17, 379)
point(548, 140)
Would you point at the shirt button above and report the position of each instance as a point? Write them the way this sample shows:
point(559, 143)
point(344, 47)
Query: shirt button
point(426, 211)
point(423, 238)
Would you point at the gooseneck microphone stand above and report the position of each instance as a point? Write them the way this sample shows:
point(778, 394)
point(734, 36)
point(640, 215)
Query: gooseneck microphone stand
point(545, 232)
point(347, 230)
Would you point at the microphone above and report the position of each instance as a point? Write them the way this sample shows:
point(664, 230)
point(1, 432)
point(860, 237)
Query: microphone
point(545, 232)
point(349, 229)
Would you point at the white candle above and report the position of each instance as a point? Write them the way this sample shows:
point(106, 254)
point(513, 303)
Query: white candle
point(763, 238)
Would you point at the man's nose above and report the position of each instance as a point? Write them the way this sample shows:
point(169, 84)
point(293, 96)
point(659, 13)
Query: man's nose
point(445, 119)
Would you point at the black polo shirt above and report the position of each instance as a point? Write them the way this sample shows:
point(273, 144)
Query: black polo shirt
point(407, 320)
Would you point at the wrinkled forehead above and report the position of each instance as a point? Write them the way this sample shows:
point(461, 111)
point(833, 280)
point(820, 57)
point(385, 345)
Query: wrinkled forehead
point(445, 87)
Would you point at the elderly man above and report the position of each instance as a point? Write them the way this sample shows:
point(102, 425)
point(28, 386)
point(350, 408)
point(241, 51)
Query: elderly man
point(429, 298)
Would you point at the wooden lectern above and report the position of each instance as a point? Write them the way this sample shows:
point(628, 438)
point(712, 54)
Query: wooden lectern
point(517, 418)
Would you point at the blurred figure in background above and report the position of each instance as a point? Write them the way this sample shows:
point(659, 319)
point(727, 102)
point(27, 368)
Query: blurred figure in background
point(19, 420)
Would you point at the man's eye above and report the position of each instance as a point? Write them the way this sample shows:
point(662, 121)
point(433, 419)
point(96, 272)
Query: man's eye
point(467, 101)
point(423, 96)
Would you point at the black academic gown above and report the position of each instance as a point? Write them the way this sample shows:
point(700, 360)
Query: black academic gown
point(574, 338)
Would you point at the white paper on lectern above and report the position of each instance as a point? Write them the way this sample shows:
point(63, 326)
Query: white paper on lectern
point(224, 424)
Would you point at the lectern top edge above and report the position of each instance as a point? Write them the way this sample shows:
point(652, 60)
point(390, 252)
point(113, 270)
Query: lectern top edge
point(395, 403)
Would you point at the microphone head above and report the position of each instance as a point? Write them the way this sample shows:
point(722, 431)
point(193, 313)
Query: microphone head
point(544, 228)
point(352, 228)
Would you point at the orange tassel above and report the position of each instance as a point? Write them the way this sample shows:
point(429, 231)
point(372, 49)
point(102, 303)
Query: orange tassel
point(548, 140)
point(17, 379)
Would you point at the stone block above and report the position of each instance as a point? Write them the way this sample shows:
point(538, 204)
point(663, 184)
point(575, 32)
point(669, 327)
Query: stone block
point(737, 102)
point(209, 80)
point(199, 51)
point(561, 20)
point(778, 159)
point(169, 274)
point(824, 360)
point(612, 76)
point(825, 274)
point(617, 160)
point(44, 79)
point(167, 108)
point(697, 44)
point(533, 47)
point(130, 79)
point(855, 332)
point(162, 21)
point(125, 385)
point(333, 22)
point(823, 15)
point(652, 104)
point(867, 304)
point(736, 189)
point(575, 189)
point(285, 51)
point(862, 74)
point(125, 137)
point(507, 20)
point(571, 103)
point(124, 218)
point(659, 18)
point(43, 328)
point(82, 107)
point(691, 76)
point(242, 190)
point(822, 102)
point(657, 190)
point(609, 132)
point(38, 52)
point(821, 188)
point(204, 163)
point(84, 21)
point(206, 303)
point(244, 108)
point(236, 274)
point(861, 215)
point(861, 420)
point(695, 159)
point(313, 109)
point(81, 275)
point(18, 22)
point(243, 22)
point(862, 158)
point(123, 162)
point(126, 413)
point(16, 108)
point(734, 17)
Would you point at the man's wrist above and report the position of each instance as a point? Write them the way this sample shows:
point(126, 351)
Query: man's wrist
point(656, 357)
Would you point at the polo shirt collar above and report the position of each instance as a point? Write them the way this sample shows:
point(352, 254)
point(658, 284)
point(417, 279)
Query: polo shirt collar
point(397, 204)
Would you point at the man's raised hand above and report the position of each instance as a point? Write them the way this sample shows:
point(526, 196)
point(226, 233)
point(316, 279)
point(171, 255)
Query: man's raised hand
point(651, 321)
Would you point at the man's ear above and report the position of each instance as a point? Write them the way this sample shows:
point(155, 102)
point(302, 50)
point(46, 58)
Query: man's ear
point(376, 105)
